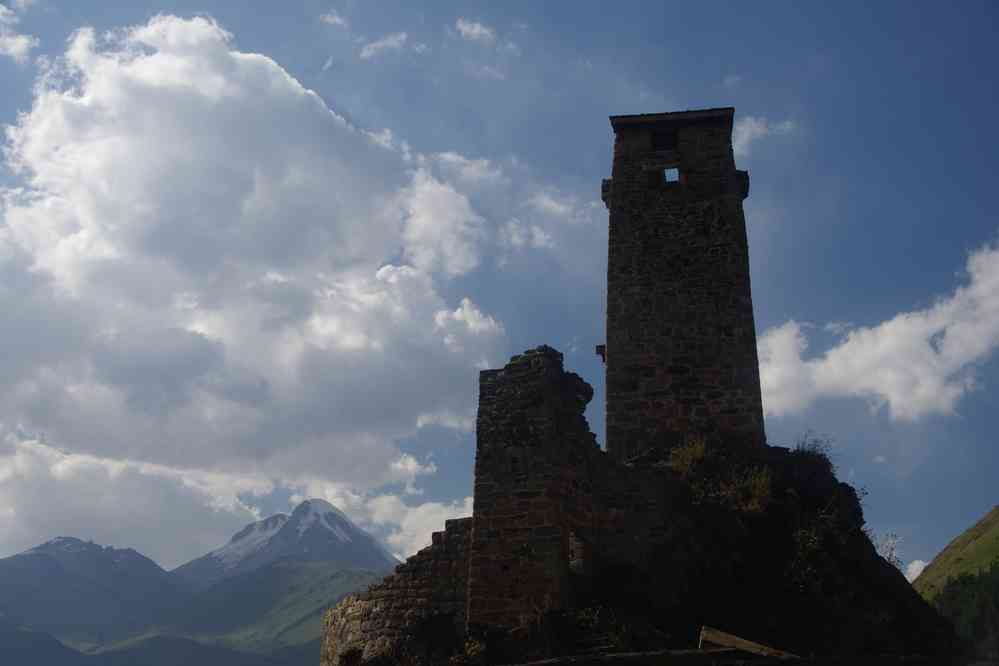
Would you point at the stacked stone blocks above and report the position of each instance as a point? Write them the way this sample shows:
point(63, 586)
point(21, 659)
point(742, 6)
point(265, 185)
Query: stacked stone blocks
point(681, 342)
point(431, 584)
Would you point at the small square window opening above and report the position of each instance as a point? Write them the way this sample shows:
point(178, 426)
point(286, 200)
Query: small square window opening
point(671, 175)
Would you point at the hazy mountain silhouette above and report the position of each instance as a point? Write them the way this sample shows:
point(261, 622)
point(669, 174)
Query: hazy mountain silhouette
point(258, 599)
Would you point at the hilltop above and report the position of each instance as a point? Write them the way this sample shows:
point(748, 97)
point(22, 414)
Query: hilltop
point(969, 553)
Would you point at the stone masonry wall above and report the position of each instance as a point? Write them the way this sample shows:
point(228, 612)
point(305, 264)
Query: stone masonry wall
point(551, 512)
point(429, 587)
point(551, 509)
point(531, 439)
point(681, 343)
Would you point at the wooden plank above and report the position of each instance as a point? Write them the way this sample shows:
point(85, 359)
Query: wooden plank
point(715, 638)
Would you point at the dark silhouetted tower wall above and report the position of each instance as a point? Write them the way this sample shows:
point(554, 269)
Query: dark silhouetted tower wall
point(681, 343)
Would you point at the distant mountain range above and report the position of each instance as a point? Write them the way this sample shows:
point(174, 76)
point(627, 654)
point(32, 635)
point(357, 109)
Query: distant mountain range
point(970, 552)
point(84, 592)
point(258, 599)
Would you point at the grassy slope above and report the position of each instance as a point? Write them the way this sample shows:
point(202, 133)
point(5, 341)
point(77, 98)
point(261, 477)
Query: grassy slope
point(973, 550)
point(172, 651)
point(22, 647)
point(278, 606)
point(295, 616)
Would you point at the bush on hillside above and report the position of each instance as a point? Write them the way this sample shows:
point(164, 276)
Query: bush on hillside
point(971, 603)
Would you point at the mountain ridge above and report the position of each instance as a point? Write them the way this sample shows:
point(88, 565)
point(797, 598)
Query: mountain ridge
point(261, 593)
point(69, 587)
point(315, 531)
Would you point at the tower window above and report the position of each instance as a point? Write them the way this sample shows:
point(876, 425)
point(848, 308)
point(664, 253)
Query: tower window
point(671, 175)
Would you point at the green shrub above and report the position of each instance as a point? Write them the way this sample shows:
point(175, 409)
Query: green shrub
point(815, 447)
point(685, 459)
point(971, 603)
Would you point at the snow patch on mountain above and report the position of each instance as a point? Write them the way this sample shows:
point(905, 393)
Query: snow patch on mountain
point(315, 531)
point(249, 540)
point(324, 514)
point(64, 544)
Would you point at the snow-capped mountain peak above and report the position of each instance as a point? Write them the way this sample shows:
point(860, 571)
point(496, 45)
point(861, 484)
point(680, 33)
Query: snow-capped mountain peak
point(315, 531)
point(63, 547)
point(325, 515)
point(65, 544)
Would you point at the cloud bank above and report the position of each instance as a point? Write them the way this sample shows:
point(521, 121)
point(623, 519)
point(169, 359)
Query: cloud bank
point(218, 289)
point(915, 364)
point(209, 270)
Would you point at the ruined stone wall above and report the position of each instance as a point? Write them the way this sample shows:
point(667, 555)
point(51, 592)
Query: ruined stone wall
point(532, 448)
point(551, 509)
point(681, 344)
point(428, 589)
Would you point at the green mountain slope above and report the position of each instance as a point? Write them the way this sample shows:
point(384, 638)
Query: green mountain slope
point(23, 646)
point(279, 605)
point(174, 650)
point(69, 602)
point(972, 551)
point(82, 593)
point(295, 617)
point(971, 603)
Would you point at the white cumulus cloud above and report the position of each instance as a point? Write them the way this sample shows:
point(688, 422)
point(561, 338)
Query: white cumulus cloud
point(552, 204)
point(415, 524)
point(748, 130)
point(332, 17)
point(217, 287)
point(913, 569)
point(474, 31)
point(394, 42)
point(466, 322)
point(472, 171)
point(13, 44)
point(205, 269)
point(406, 527)
point(916, 363)
point(442, 231)
point(48, 492)
point(143, 506)
point(518, 234)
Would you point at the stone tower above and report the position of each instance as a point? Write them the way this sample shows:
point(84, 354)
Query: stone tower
point(680, 355)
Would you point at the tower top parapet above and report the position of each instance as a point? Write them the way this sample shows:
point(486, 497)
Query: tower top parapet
point(718, 116)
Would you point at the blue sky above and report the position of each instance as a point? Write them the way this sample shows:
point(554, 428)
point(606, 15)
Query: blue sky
point(253, 252)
